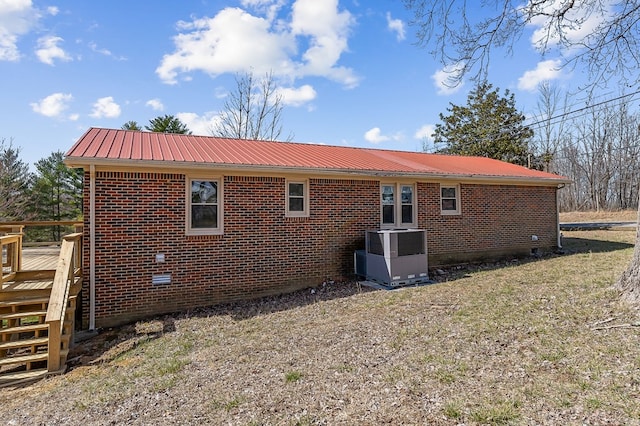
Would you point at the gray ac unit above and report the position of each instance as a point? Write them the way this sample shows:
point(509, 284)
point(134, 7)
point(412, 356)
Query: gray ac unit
point(396, 257)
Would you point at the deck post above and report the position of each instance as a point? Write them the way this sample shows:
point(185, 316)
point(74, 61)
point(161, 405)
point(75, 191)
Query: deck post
point(12, 247)
point(53, 362)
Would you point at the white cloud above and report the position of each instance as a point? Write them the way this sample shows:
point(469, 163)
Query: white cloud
point(268, 7)
point(93, 46)
point(53, 10)
point(397, 26)
point(544, 71)
point(443, 80)
point(328, 31)
point(17, 18)
point(375, 136)
point(544, 37)
point(53, 105)
point(48, 50)
point(425, 132)
point(297, 96)
point(155, 104)
point(105, 108)
point(226, 43)
point(103, 51)
point(199, 125)
point(220, 92)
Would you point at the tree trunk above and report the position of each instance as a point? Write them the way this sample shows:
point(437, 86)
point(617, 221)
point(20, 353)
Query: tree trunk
point(629, 281)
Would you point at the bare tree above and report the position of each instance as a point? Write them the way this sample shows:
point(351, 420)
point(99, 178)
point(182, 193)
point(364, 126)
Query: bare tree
point(252, 111)
point(598, 150)
point(549, 125)
point(625, 131)
point(567, 163)
point(463, 39)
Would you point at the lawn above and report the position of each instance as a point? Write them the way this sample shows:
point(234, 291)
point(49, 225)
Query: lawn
point(534, 341)
point(601, 216)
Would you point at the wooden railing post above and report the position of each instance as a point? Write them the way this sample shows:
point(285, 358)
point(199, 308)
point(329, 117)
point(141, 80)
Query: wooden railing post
point(55, 342)
point(12, 247)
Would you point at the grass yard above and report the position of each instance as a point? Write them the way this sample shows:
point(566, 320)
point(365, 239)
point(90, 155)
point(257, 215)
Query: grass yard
point(526, 342)
point(601, 216)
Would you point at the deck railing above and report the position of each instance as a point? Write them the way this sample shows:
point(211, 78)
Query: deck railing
point(20, 226)
point(11, 251)
point(68, 273)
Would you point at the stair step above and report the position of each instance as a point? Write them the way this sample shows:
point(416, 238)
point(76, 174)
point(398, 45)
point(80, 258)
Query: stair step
point(24, 328)
point(26, 301)
point(16, 315)
point(17, 377)
point(38, 341)
point(22, 359)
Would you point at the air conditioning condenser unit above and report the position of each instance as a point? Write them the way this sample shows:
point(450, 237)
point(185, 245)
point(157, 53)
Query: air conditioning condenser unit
point(396, 257)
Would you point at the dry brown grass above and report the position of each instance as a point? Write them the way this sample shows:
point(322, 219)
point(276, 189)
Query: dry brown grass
point(514, 343)
point(601, 216)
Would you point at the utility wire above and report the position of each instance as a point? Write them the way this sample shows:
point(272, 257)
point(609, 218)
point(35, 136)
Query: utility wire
point(585, 108)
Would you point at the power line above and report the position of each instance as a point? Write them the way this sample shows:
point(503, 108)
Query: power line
point(585, 108)
point(553, 120)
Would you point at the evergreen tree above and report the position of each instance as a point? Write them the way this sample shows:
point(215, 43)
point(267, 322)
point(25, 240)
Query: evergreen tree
point(167, 124)
point(56, 192)
point(14, 183)
point(488, 126)
point(131, 125)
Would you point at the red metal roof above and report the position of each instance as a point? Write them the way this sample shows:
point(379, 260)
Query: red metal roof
point(114, 146)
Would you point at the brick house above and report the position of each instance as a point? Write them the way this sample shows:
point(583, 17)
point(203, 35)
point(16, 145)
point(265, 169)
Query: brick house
point(174, 222)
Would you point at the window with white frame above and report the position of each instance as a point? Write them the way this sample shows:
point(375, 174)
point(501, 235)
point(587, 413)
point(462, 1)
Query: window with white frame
point(297, 198)
point(450, 199)
point(204, 206)
point(397, 205)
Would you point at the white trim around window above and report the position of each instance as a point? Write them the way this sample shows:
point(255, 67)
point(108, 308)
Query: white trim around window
point(449, 199)
point(204, 206)
point(398, 205)
point(296, 198)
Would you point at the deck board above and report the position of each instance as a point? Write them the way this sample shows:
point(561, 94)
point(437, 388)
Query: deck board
point(35, 259)
point(40, 258)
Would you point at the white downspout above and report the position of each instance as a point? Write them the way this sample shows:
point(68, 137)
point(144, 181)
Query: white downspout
point(92, 248)
point(558, 233)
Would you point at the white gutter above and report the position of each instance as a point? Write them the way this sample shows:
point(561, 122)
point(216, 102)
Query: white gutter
point(92, 248)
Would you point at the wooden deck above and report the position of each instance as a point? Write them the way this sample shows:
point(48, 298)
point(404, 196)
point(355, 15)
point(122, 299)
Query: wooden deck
point(39, 288)
point(36, 259)
point(40, 258)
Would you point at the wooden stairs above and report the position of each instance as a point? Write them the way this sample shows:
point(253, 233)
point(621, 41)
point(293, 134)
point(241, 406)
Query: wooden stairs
point(24, 339)
point(37, 324)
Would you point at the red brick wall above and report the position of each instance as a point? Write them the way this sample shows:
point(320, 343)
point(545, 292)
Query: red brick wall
point(139, 215)
point(495, 221)
point(261, 252)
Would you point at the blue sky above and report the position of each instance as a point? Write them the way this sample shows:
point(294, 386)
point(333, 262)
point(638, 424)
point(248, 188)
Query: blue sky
point(349, 71)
